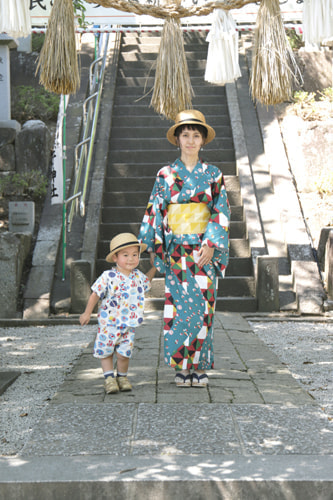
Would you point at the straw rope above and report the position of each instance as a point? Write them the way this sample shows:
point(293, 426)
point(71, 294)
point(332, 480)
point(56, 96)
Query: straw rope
point(171, 8)
point(57, 61)
point(172, 88)
point(273, 64)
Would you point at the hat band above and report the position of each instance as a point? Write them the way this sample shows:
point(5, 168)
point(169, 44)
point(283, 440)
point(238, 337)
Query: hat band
point(129, 243)
point(192, 120)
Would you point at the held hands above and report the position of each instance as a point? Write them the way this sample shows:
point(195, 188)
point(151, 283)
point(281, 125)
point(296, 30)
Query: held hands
point(205, 255)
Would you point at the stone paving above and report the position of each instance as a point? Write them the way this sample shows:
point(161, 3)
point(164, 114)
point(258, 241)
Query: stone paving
point(252, 406)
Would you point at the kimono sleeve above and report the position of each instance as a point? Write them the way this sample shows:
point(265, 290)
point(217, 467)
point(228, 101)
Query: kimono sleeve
point(100, 287)
point(152, 227)
point(217, 231)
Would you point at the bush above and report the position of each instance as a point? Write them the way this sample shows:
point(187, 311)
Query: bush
point(31, 185)
point(29, 103)
point(294, 39)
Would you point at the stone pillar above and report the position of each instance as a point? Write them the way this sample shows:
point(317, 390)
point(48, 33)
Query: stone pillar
point(14, 249)
point(268, 283)
point(6, 43)
point(329, 265)
point(80, 276)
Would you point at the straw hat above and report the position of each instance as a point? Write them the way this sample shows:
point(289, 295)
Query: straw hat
point(121, 241)
point(190, 117)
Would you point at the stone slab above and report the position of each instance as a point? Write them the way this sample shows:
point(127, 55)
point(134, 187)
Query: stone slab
point(180, 429)
point(7, 378)
point(155, 478)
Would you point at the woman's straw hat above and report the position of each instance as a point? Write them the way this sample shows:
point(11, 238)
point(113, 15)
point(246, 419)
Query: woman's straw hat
point(190, 117)
point(121, 241)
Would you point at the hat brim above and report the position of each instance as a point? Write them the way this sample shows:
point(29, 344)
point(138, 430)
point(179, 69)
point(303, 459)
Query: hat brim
point(173, 139)
point(142, 246)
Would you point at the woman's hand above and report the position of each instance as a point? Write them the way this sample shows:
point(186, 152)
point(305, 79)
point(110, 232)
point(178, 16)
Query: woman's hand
point(205, 255)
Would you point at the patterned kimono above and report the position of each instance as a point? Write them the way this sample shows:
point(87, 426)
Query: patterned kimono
point(190, 292)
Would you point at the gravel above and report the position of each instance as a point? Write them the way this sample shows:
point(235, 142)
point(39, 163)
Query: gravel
point(306, 348)
point(45, 355)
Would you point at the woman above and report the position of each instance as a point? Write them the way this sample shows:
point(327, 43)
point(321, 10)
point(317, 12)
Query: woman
point(186, 229)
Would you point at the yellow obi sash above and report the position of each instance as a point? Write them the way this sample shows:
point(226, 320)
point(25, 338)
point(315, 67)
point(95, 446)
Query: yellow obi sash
point(188, 218)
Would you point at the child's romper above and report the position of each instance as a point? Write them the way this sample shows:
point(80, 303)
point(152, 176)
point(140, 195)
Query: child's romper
point(120, 311)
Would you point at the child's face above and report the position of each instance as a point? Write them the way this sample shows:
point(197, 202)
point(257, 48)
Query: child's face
point(127, 259)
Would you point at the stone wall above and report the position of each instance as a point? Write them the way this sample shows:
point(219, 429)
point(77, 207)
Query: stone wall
point(25, 148)
point(22, 149)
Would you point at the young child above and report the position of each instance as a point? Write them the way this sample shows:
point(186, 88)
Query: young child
point(121, 291)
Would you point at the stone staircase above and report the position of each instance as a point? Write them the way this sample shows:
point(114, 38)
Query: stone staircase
point(138, 148)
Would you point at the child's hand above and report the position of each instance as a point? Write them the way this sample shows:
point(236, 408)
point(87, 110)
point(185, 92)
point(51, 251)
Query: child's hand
point(84, 318)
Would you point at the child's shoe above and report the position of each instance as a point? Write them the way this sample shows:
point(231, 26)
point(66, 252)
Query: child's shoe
point(111, 385)
point(124, 384)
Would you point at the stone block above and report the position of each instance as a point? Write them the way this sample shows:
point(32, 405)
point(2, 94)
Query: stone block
point(324, 233)
point(268, 283)
point(329, 265)
point(33, 147)
point(80, 276)
point(7, 158)
point(7, 136)
point(308, 286)
point(13, 252)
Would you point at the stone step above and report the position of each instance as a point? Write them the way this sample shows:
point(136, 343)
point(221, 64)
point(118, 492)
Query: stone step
point(148, 82)
point(149, 72)
point(202, 88)
point(238, 248)
point(145, 184)
point(150, 169)
point(135, 213)
point(237, 266)
point(147, 54)
point(142, 132)
point(108, 229)
point(165, 157)
point(140, 99)
point(130, 110)
point(230, 304)
point(158, 144)
point(147, 65)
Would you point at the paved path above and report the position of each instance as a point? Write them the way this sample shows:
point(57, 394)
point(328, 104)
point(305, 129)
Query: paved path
point(251, 406)
point(253, 433)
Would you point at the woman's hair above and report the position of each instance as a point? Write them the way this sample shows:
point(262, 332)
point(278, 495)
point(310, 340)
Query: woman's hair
point(191, 126)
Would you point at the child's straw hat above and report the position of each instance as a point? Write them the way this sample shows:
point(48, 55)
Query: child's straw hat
point(121, 241)
point(190, 117)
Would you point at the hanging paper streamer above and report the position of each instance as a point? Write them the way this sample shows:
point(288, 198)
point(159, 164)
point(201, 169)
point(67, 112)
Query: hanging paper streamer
point(317, 21)
point(222, 57)
point(172, 89)
point(274, 67)
point(59, 71)
point(15, 18)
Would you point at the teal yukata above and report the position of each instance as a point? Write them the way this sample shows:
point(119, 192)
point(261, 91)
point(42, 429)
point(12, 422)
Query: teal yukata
point(190, 291)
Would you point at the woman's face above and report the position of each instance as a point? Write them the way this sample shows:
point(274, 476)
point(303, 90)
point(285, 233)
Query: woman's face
point(190, 141)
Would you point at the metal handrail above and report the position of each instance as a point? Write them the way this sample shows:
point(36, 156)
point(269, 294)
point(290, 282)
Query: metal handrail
point(91, 107)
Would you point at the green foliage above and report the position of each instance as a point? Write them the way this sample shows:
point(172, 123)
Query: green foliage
point(29, 103)
point(79, 11)
point(327, 94)
point(31, 185)
point(324, 183)
point(294, 39)
point(313, 105)
point(302, 98)
point(37, 40)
